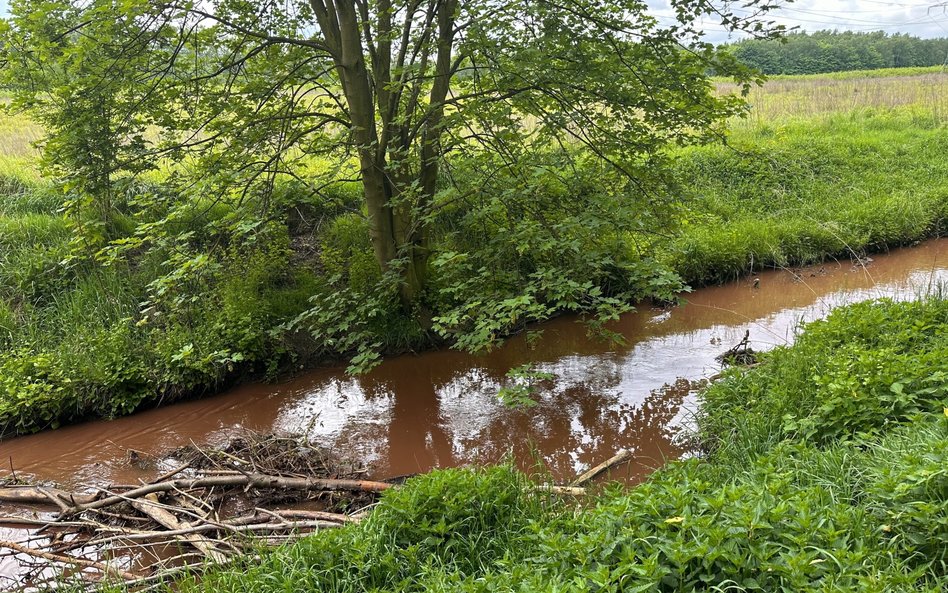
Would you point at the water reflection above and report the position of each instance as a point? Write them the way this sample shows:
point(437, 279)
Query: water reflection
point(440, 409)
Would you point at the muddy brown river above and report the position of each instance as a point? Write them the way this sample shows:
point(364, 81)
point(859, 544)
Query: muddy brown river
point(440, 409)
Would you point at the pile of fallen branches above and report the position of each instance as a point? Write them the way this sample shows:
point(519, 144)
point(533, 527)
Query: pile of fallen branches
point(216, 504)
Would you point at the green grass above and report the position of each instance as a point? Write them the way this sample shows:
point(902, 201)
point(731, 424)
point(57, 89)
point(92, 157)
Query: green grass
point(800, 191)
point(856, 502)
point(18, 136)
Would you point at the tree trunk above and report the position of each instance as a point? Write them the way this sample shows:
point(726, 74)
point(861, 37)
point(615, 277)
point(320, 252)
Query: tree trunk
point(395, 227)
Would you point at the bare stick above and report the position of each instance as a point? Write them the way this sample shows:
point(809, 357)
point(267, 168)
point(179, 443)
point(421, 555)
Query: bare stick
point(250, 481)
point(14, 520)
point(312, 515)
point(166, 536)
point(621, 457)
point(564, 490)
point(168, 520)
point(36, 496)
point(172, 473)
point(55, 499)
point(103, 568)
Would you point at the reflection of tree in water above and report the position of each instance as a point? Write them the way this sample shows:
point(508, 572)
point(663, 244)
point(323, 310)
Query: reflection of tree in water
point(580, 426)
point(415, 436)
point(441, 414)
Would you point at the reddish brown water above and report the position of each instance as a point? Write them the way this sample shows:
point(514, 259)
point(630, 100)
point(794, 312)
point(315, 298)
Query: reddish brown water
point(440, 409)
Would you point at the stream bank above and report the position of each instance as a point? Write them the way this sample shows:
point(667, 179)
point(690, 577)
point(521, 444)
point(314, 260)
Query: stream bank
point(440, 409)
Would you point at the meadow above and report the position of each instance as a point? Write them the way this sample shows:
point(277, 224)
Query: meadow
point(86, 333)
point(856, 92)
point(824, 165)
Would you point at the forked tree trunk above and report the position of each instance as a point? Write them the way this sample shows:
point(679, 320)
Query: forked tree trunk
point(396, 227)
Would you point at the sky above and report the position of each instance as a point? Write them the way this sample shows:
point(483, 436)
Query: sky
point(922, 18)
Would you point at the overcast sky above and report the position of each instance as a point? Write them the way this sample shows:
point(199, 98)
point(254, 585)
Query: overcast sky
point(922, 18)
point(916, 17)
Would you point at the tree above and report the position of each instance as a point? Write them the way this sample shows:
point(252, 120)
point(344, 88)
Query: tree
point(835, 51)
point(232, 95)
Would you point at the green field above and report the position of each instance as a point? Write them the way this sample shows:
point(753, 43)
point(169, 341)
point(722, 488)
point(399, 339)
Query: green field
point(869, 92)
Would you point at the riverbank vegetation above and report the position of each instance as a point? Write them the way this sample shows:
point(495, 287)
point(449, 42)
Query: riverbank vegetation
point(223, 196)
point(799, 190)
point(851, 498)
point(222, 293)
point(417, 175)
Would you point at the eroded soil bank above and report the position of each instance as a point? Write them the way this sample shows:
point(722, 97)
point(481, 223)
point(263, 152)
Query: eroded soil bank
point(440, 409)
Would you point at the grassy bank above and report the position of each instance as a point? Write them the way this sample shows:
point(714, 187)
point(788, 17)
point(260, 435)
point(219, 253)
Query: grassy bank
point(851, 498)
point(800, 190)
point(100, 324)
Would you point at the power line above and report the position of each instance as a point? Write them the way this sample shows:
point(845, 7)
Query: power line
point(839, 23)
point(850, 23)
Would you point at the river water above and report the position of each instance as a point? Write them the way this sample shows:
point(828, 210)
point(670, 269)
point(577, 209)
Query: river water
point(440, 409)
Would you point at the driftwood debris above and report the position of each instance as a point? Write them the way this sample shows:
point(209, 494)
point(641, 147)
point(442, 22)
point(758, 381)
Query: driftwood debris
point(617, 459)
point(191, 515)
point(69, 560)
point(216, 504)
point(260, 481)
point(151, 507)
point(740, 355)
point(560, 490)
point(71, 503)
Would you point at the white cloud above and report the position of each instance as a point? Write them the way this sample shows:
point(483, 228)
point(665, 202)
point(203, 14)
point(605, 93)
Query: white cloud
point(916, 17)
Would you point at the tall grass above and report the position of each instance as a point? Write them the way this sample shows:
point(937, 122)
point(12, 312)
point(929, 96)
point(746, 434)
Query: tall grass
point(18, 135)
point(924, 90)
point(798, 191)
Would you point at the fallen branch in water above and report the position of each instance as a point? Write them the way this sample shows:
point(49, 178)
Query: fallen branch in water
point(182, 509)
point(35, 495)
point(259, 481)
point(561, 490)
point(71, 560)
point(72, 503)
point(620, 457)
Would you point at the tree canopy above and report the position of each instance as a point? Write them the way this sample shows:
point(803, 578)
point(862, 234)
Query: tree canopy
point(437, 109)
point(839, 51)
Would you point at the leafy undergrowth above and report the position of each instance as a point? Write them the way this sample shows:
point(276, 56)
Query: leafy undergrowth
point(851, 498)
point(83, 337)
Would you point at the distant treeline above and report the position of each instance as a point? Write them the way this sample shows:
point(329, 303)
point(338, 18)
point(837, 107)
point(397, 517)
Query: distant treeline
point(834, 51)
